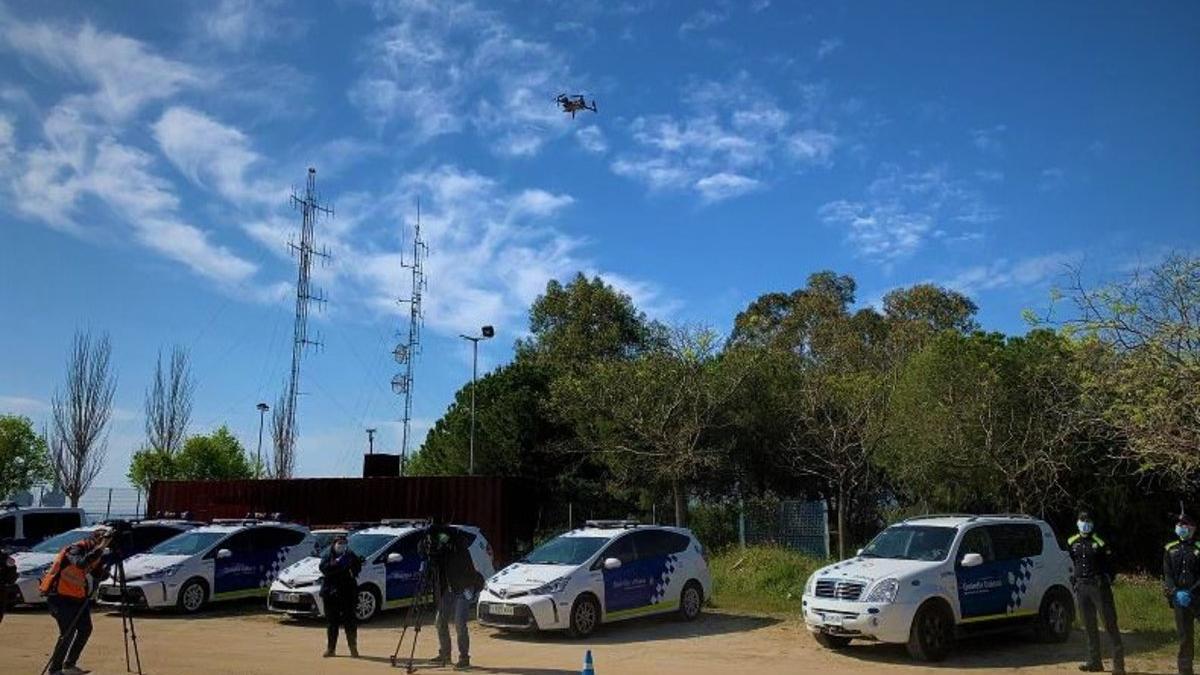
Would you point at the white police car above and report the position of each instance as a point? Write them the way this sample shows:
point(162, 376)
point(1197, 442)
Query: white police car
point(390, 575)
point(33, 564)
point(925, 581)
point(226, 560)
point(604, 572)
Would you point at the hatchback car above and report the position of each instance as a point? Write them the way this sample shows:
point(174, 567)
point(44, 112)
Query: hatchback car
point(928, 580)
point(606, 571)
point(226, 560)
point(32, 564)
point(390, 575)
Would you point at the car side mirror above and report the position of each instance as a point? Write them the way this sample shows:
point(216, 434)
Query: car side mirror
point(972, 560)
point(611, 563)
point(858, 552)
point(224, 553)
point(394, 557)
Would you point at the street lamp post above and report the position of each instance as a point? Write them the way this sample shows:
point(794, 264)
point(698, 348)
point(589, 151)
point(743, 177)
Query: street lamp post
point(486, 332)
point(262, 411)
point(370, 441)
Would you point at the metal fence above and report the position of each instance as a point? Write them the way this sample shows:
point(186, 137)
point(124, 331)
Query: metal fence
point(800, 526)
point(99, 503)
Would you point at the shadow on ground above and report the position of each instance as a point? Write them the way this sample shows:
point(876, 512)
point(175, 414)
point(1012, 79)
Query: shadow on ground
point(653, 629)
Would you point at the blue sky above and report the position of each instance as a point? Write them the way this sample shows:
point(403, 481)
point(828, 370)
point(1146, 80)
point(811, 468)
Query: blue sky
point(147, 151)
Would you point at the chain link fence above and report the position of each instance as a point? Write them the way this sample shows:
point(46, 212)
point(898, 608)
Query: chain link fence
point(98, 503)
point(797, 525)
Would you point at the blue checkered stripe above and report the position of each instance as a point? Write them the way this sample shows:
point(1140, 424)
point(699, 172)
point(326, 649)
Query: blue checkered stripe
point(1018, 584)
point(272, 570)
point(663, 583)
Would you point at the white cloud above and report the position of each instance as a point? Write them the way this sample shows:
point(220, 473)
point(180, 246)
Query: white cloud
point(212, 154)
point(827, 47)
point(1005, 273)
point(591, 138)
point(722, 186)
point(238, 24)
point(989, 139)
point(881, 231)
point(812, 146)
point(1051, 178)
point(21, 405)
point(702, 20)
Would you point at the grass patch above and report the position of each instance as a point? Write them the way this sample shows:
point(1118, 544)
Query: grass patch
point(770, 580)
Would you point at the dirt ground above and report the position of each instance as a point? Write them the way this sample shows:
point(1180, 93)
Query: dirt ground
point(244, 639)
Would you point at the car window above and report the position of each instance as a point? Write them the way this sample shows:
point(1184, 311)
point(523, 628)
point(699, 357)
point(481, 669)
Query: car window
point(8, 527)
point(242, 542)
point(38, 526)
point(188, 543)
point(623, 549)
point(564, 550)
point(1015, 541)
point(976, 540)
point(658, 543)
point(146, 536)
point(911, 542)
point(406, 546)
point(274, 538)
point(56, 543)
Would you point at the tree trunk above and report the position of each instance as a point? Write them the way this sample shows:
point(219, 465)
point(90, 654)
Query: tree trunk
point(841, 522)
point(680, 504)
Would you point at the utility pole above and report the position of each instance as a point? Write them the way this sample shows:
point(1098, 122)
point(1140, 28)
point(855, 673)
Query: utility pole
point(262, 411)
point(406, 352)
point(310, 209)
point(370, 441)
point(486, 333)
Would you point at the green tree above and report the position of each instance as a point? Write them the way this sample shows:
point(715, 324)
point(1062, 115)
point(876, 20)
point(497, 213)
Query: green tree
point(214, 457)
point(24, 460)
point(148, 465)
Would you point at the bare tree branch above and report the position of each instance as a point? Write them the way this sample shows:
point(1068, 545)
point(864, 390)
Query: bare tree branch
point(80, 415)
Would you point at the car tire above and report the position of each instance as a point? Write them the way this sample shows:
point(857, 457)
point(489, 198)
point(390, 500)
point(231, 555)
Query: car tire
point(932, 633)
point(835, 642)
point(193, 596)
point(1055, 616)
point(366, 604)
point(585, 616)
point(691, 600)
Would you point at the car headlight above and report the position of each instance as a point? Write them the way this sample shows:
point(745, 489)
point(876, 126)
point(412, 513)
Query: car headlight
point(884, 591)
point(163, 573)
point(557, 586)
point(811, 585)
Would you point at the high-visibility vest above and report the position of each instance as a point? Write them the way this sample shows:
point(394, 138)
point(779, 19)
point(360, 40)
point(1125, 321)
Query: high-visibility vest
point(66, 579)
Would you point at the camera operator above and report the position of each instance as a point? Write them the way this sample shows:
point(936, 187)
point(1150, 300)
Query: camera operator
point(458, 584)
point(8, 577)
point(68, 586)
point(339, 588)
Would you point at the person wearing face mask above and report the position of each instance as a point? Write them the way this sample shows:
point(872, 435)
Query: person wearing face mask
point(1094, 575)
point(1181, 578)
point(339, 590)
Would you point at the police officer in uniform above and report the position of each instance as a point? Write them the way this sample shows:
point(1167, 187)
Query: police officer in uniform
point(68, 586)
point(1181, 577)
point(1094, 575)
point(339, 589)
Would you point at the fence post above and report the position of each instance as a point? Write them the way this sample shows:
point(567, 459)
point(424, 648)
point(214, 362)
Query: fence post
point(108, 507)
point(825, 520)
point(742, 522)
point(137, 504)
point(570, 515)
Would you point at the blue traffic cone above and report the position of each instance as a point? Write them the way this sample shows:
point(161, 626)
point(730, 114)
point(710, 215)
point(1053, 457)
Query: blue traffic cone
point(588, 669)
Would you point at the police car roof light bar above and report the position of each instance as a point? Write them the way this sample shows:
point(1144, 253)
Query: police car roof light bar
point(611, 524)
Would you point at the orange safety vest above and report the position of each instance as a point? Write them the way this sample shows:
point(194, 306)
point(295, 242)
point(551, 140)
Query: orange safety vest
point(66, 579)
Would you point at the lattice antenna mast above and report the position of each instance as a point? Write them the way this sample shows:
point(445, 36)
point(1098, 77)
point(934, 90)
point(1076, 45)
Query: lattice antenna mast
point(407, 351)
point(306, 294)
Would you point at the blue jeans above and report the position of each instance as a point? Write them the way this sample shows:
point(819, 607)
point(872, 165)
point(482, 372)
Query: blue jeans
point(453, 606)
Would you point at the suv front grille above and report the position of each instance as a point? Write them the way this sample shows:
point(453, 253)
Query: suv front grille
point(839, 590)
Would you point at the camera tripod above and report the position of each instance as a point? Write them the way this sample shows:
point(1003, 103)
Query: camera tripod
point(128, 630)
point(428, 583)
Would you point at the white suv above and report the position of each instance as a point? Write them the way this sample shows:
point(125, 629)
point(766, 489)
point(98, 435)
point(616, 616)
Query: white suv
point(391, 572)
point(927, 580)
point(606, 571)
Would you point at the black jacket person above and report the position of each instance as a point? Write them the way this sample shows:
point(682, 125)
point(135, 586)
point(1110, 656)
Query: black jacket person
point(1094, 574)
point(1181, 581)
point(339, 590)
point(458, 585)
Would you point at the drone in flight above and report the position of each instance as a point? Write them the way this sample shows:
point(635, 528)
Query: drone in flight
point(575, 103)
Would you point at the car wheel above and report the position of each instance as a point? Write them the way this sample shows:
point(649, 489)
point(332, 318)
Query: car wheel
point(932, 633)
point(1055, 617)
point(366, 605)
point(831, 641)
point(690, 601)
point(585, 616)
point(193, 596)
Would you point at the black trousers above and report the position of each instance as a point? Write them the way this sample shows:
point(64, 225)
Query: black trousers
point(1096, 598)
point(71, 639)
point(339, 611)
point(1185, 625)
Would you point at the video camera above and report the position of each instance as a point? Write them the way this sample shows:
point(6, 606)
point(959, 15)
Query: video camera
point(120, 533)
point(438, 543)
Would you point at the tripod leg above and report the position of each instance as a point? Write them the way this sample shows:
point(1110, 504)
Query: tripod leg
point(128, 630)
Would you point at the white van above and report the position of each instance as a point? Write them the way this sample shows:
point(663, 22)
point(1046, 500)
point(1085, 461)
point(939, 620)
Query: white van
point(22, 528)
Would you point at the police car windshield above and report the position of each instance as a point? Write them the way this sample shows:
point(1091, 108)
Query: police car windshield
point(188, 543)
point(56, 543)
point(565, 551)
point(911, 542)
point(363, 544)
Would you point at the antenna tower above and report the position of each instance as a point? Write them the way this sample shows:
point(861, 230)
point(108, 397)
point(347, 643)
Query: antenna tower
point(306, 295)
point(407, 351)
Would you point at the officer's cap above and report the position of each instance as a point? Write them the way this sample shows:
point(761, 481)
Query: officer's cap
point(1185, 519)
point(1084, 514)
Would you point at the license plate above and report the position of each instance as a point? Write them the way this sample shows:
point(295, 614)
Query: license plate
point(833, 619)
point(503, 610)
point(291, 597)
point(110, 592)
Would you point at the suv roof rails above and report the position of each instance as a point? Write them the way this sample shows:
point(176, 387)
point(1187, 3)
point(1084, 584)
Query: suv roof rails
point(931, 516)
point(1020, 516)
point(611, 524)
point(406, 522)
point(9, 506)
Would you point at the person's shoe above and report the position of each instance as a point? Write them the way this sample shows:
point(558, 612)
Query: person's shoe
point(464, 662)
point(354, 651)
point(1091, 668)
point(441, 660)
point(74, 670)
point(328, 653)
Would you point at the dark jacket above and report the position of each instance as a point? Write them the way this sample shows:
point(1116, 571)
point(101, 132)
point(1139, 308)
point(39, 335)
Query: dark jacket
point(8, 572)
point(340, 573)
point(1093, 559)
point(1181, 567)
point(453, 563)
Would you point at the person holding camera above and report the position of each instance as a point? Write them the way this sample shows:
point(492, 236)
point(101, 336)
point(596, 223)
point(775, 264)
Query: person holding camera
point(68, 586)
point(339, 589)
point(457, 585)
